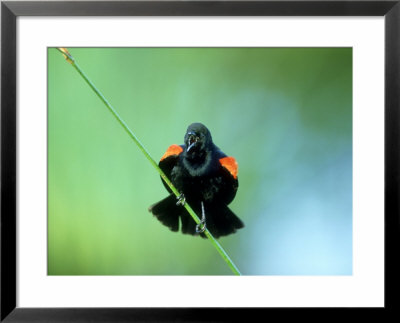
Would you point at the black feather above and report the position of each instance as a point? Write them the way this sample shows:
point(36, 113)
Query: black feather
point(167, 212)
point(197, 171)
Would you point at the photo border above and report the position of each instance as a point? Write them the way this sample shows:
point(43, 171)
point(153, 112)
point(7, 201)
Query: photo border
point(10, 11)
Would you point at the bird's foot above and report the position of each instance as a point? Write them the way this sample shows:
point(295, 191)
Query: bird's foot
point(181, 199)
point(201, 227)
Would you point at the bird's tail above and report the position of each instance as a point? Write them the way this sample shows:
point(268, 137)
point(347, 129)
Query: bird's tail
point(221, 221)
point(167, 212)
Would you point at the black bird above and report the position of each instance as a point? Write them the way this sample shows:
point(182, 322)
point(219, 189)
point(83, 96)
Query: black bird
point(207, 180)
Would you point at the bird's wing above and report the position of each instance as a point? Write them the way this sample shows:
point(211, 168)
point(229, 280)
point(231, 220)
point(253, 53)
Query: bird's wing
point(230, 164)
point(169, 160)
point(229, 173)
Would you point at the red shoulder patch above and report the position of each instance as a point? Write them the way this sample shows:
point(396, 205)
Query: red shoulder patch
point(231, 165)
point(172, 151)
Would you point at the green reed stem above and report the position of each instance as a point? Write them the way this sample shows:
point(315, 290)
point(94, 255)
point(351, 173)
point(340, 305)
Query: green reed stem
point(215, 243)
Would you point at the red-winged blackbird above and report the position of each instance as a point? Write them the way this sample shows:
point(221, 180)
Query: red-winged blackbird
point(206, 179)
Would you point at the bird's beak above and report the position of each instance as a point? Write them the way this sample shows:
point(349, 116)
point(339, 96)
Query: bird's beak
point(190, 146)
point(192, 140)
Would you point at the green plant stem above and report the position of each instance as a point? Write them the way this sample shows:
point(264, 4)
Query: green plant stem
point(216, 244)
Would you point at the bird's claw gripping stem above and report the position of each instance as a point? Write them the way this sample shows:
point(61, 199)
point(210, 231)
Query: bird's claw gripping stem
point(181, 199)
point(201, 227)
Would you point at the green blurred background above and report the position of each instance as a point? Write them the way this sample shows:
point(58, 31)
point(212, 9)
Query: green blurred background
point(285, 114)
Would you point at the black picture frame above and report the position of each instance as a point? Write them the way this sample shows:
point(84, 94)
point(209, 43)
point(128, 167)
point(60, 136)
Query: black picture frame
point(11, 10)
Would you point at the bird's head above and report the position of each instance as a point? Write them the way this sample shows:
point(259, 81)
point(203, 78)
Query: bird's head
point(197, 140)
